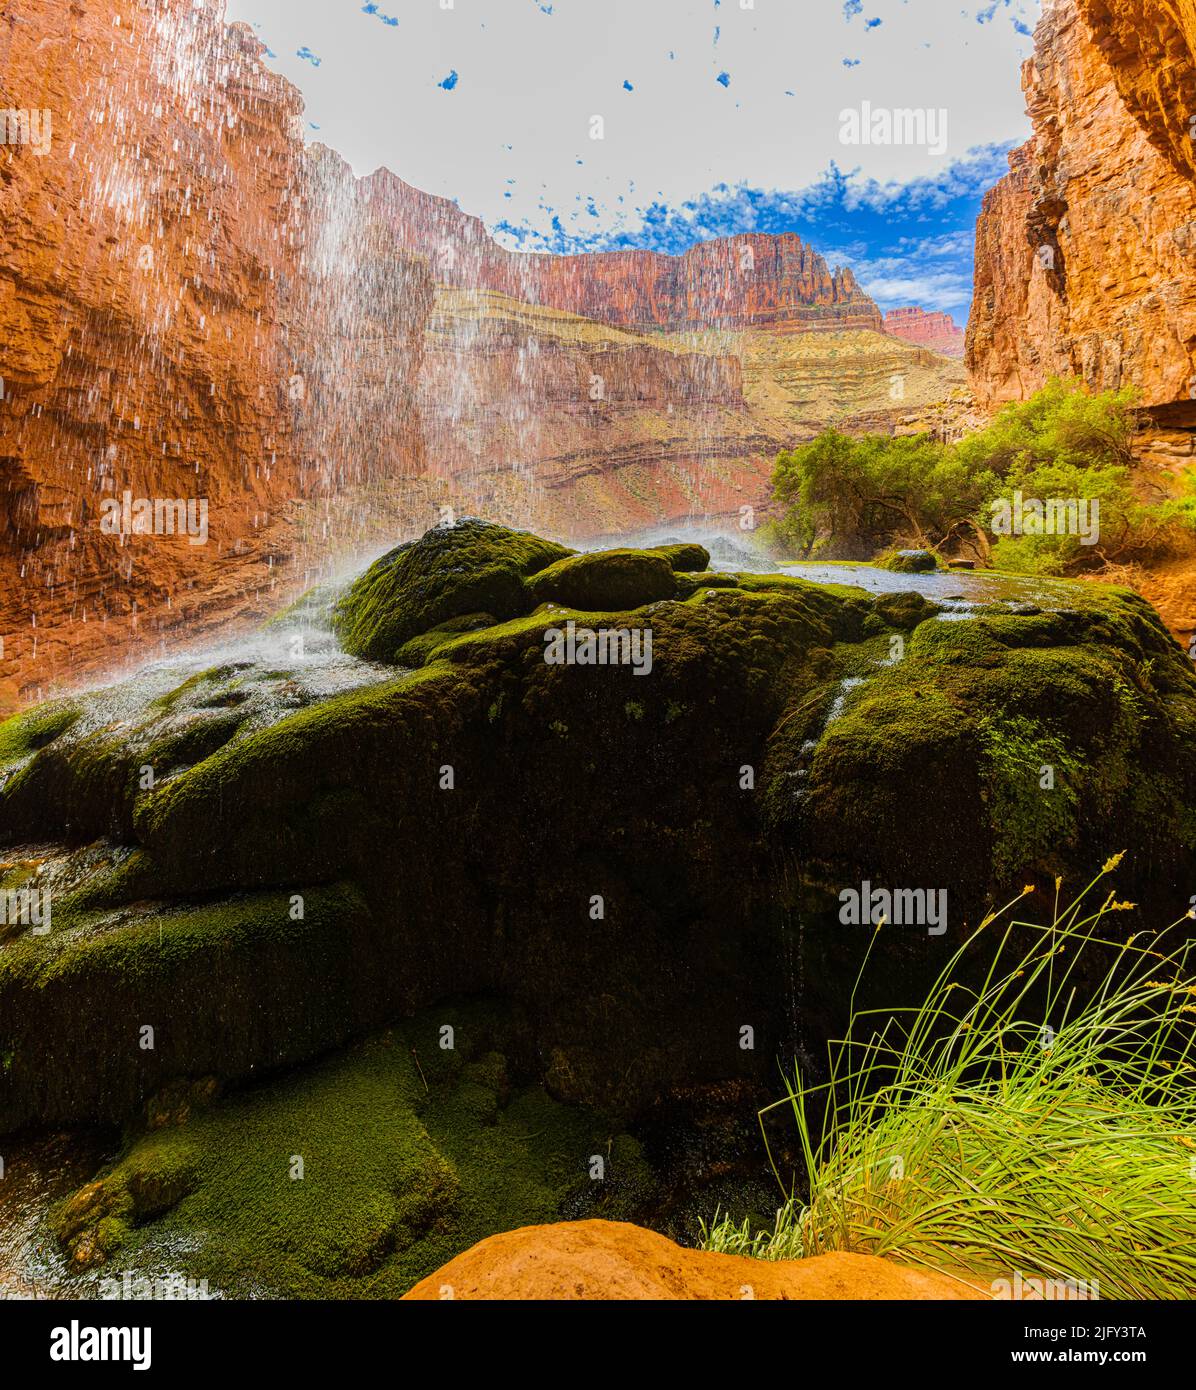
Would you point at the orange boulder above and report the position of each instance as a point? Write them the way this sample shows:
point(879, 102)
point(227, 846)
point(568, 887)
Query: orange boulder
point(615, 1260)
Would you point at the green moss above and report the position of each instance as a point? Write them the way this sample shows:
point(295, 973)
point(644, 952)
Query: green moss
point(845, 594)
point(966, 731)
point(605, 580)
point(684, 557)
point(197, 741)
point(24, 734)
point(78, 790)
point(99, 1220)
point(360, 1176)
point(420, 819)
point(904, 610)
point(194, 685)
point(300, 784)
point(689, 584)
point(472, 567)
point(420, 650)
point(1033, 795)
point(198, 979)
point(909, 561)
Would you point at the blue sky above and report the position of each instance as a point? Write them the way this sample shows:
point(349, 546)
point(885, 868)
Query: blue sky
point(714, 117)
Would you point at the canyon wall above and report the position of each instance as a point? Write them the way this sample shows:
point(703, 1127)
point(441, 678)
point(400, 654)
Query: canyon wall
point(543, 418)
point(939, 332)
point(178, 280)
point(594, 394)
point(1086, 252)
point(202, 316)
point(754, 280)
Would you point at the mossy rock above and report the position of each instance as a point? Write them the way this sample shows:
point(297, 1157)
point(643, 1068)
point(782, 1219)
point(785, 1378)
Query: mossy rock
point(1017, 731)
point(470, 567)
point(690, 583)
point(359, 1176)
point(197, 740)
point(606, 580)
point(79, 789)
point(198, 978)
point(420, 649)
point(911, 562)
point(311, 609)
point(905, 610)
point(783, 742)
point(684, 557)
point(25, 734)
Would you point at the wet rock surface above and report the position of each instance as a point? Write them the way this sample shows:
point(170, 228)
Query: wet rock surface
point(327, 845)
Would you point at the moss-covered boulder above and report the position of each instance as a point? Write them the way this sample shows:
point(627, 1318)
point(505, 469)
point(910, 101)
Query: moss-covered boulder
point(911, 562)
point(22, 735)
point(606, 581)
point(359, 1176)
point(684, 556)
point(905, 610)
point(419, 650)
point(617, 854)
point(469, 567)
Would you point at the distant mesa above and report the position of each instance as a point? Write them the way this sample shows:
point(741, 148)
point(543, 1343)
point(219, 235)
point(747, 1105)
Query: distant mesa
point(939, 332)
point(753, 280)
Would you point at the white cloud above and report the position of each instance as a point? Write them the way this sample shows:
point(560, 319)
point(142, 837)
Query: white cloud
point(532, 80)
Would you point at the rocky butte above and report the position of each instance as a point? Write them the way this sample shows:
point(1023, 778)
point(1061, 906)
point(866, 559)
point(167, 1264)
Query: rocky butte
point(755, 280)
point(939, 332)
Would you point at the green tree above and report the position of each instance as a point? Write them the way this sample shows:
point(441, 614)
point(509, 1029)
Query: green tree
point(850, 498)
point(854, 498)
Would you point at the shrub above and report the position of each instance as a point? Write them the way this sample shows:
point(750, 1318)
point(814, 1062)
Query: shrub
point(853, 498)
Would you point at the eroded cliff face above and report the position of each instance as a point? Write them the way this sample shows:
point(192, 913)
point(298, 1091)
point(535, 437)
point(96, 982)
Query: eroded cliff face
point(542, 418)
point(169, 313)
point(939, 332)
point(1086, 252)
point(1149, 47)
point(754, 280)
point(212, 332)
point(598, 394)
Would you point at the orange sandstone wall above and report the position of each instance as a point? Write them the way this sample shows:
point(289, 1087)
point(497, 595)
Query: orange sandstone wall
point(177, 276)
point(1086, 252)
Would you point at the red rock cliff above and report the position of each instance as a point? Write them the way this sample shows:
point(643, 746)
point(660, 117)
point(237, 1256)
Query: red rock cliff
point(754, 280)
point(939, 332)
point(177, 300)
point(1086, 252)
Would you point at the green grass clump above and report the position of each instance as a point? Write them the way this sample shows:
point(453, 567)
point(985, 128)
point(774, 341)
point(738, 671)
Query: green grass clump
point(1044, 1122)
